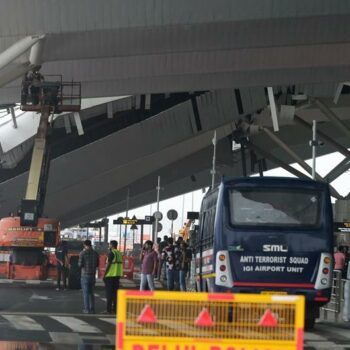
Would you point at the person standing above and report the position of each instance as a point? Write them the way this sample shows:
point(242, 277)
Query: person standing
point(170, 256)
point(149, 260)
point(88, 262)
point(36, 80)
point(156, 248)
point(346, 305)
point(62, 265)
point(185, 259)
point(25, 89)
point(339, 259)
point(161, 247)
point(114, 270)
point(347, 258)
point(156, 245)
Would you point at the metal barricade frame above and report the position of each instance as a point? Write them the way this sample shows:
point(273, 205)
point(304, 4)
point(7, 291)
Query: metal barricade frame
point(337, 296)
point(208, 321)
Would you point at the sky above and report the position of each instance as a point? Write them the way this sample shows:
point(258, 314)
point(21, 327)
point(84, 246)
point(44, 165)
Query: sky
point(191, 201)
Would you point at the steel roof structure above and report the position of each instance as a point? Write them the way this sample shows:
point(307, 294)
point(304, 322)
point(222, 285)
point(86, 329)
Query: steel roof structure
point(187, 68)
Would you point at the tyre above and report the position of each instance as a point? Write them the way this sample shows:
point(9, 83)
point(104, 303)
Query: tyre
point(309, 322)
point(74, 273)
point(311, 313)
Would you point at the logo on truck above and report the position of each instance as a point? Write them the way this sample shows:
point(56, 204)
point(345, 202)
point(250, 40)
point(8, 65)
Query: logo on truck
point(275, 248)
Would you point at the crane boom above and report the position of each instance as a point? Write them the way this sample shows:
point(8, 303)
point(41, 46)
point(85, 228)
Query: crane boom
point(23, 239)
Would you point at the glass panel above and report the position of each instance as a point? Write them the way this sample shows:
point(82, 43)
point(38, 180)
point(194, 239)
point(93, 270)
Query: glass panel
point(274, 207)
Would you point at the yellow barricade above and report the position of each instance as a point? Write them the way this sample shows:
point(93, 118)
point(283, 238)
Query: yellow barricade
point(208, 321)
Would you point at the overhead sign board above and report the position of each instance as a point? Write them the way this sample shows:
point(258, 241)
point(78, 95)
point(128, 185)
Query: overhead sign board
point(126, 221)
point(149, 218)
point(192, 215)
point(129, 221)
point(342, 227)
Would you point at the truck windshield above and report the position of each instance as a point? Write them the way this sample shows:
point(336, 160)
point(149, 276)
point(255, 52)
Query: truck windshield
point(274, 207)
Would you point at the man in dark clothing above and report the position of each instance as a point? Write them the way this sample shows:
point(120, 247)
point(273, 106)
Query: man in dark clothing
point(62, 264)
point(185, 260)
point(161, 247)
point(36, 79)
point(163, 243)
point(170, 255)
point(88, 262)
point(156, 247)
point(25, 89)
point(114, 270)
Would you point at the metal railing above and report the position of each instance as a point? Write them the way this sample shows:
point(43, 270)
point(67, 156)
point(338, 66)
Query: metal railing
point(337, 296)
point(63, 96)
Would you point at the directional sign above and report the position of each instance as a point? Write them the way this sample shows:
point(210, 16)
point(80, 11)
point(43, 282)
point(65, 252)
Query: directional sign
point(172, 214)
point(126, 221)
point(158, 215)
point(129, 221)
point(342, 227)
point(149, 218)
point(192, 215)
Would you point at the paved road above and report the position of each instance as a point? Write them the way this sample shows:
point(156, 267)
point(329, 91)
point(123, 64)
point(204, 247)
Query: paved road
point(328, 336)
point(38, 313)
point(35, 311)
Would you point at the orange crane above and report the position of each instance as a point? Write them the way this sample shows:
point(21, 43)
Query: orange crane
point(23, 238)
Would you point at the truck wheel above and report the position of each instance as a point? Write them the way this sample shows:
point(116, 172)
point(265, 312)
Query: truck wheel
point(309, 322)
point(311, 313)
point(74, 274)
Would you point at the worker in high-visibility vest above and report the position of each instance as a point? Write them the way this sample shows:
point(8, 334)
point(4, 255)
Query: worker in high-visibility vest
point(114, 271)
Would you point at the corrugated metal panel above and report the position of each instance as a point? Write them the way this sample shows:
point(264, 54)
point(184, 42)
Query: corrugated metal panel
point(141, 139)
point(119, 173)
point(212, 48)
point(317, 90)
point(78, 197)
point(219, 107)
point(204, 81)
point(172, 176)
point(148, 137)
point(216, 108)
point(253, 99)
point(22, 17)
point(258, 98)
point(207, 36)
point(170, 126)
point(183, 64)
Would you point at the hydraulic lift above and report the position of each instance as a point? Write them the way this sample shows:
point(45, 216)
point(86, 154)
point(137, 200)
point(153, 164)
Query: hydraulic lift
point(23, 237)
